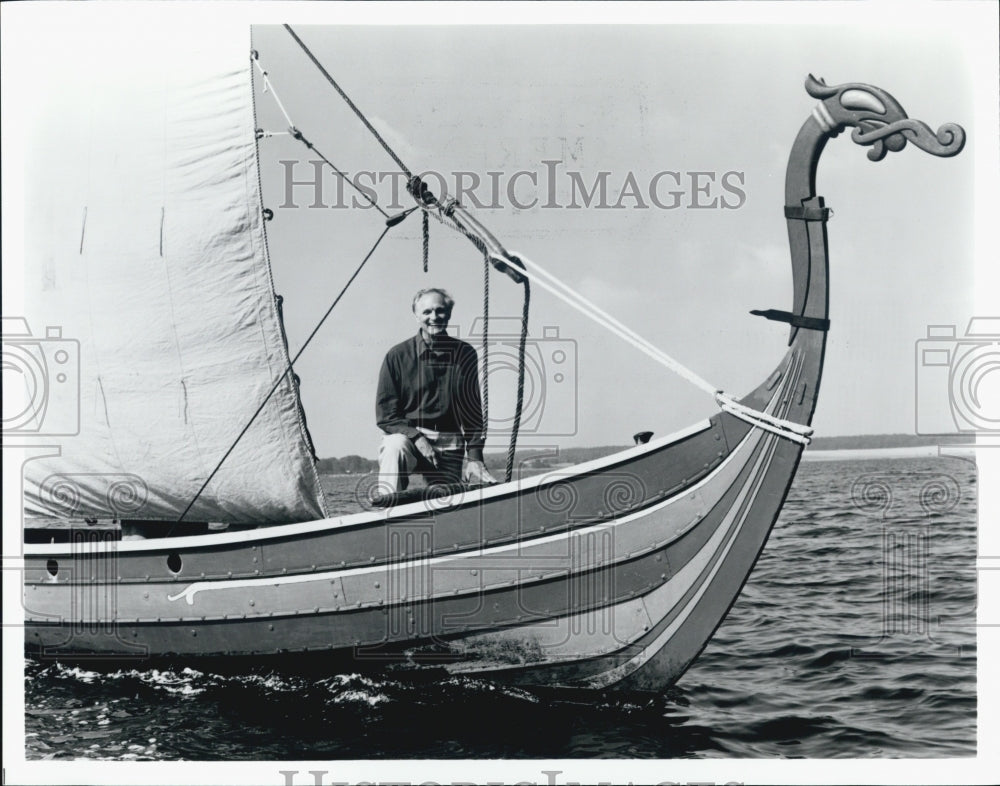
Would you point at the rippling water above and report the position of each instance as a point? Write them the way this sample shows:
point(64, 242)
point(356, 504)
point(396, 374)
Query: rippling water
point(854, 637)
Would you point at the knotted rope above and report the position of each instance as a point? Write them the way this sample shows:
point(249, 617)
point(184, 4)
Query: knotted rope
point(427, 240)
point(520, 381)
point(485, 374)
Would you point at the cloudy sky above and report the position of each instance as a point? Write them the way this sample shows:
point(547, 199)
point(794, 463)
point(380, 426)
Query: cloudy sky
point(680, 258)
point(688, 127)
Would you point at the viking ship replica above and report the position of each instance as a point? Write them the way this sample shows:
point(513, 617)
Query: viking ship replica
point(613, 574)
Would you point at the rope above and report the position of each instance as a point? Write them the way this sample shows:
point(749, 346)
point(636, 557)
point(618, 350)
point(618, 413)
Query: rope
point(520, 381)
point(350, 103)
point(796, 432)
point(485, 376)
point(295, 133)
point(278, 382)
point(562, 291)
point(786, 428)
point(444, 216)
point(298, 135)
point(427, 239)
point(269, 87)
point(557, 288)
point(547, 281)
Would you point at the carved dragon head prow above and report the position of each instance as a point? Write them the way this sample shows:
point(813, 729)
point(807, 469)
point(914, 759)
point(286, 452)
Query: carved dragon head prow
point(878, 120)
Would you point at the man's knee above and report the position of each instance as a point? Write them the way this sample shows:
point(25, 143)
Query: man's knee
point(397, 457)
point(398, 444)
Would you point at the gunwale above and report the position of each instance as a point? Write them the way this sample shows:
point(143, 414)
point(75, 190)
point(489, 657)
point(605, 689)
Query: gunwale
point(408, 510)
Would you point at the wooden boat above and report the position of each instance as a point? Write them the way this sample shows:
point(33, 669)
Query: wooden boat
point(613, 574)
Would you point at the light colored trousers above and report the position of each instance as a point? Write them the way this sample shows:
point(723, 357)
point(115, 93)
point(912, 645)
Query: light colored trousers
point(398, 457)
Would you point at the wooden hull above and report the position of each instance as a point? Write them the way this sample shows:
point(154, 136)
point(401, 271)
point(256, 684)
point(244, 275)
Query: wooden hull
point(615, 572)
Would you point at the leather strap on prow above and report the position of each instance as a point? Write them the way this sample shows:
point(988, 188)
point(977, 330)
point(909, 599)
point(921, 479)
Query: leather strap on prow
point(803, 213)
point(796, 320)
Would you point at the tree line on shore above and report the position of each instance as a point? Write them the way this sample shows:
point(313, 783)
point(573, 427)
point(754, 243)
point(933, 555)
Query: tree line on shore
point(495, 461)
point(543, 459)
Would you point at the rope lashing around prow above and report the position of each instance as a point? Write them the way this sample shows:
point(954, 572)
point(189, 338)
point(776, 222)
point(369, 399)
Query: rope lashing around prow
point(793, 431)
point(796, 432)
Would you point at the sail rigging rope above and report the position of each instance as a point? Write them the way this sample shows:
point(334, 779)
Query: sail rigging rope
point(484, 383)
point(426, 228)
point(426, 201)
point(795, 431)
point(294, 132)
point(343, 175)
point(444, 213)
point(279, 380)
point(350, 103)
point(512, 447)
point(269, 87)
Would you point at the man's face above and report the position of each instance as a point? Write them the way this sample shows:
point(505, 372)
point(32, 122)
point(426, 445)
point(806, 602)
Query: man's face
point(432, 313)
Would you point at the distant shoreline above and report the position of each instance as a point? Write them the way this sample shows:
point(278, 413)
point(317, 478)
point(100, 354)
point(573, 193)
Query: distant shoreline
point(873, 446)
point(964, 451)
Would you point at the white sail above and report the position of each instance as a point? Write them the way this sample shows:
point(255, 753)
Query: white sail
point(145, 244)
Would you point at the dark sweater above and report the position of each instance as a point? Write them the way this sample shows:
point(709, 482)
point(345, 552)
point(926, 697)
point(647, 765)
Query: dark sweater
point(432, 385)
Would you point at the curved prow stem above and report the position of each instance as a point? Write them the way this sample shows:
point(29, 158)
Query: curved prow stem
point(881, 124)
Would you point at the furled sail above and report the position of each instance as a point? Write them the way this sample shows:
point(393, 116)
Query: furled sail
point(147, 269)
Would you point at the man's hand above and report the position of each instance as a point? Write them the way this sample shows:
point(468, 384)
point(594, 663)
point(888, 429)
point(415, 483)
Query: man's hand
point(475, 473)
point(426, 450)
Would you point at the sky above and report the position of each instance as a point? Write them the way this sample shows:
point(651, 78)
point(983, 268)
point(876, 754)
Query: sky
point(688, 127)
point(716, 109)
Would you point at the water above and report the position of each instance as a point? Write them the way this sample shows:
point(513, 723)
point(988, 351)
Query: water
point(854, 637)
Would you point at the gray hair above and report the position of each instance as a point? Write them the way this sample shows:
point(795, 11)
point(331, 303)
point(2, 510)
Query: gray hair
point(449, 301)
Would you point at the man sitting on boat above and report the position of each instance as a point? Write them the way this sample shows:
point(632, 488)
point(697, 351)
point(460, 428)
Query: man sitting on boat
point(428, 404)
